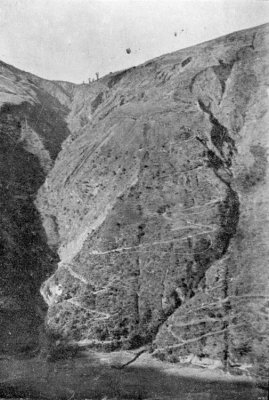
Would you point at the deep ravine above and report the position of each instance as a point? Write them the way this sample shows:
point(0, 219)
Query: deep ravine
point(137, 207)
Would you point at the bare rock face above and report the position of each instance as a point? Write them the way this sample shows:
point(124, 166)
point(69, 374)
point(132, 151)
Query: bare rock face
point(160, 200)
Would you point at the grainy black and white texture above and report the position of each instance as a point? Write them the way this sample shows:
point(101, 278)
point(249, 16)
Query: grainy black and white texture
point(136, 208)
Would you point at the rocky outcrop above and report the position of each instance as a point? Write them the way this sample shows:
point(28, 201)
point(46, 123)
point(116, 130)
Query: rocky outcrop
point(160, 199)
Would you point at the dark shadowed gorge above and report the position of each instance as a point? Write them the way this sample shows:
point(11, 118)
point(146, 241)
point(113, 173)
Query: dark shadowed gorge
point(31, 136)
point(137, 206)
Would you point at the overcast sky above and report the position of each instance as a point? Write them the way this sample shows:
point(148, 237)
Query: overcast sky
point(73, 39)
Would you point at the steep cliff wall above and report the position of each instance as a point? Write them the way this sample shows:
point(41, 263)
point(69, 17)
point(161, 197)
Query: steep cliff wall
point(32, 128)
point(160, 201)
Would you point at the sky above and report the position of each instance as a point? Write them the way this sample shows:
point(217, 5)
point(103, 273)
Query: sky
point(73, 39)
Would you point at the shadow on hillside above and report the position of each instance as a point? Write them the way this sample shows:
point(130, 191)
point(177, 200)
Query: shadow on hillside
point(88, 379)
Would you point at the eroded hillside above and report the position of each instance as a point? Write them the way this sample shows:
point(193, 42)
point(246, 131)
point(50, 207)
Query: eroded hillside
point(150, 226)
point(158, 207)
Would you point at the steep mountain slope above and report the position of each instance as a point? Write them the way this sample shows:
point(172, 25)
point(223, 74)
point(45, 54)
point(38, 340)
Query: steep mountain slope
point(32, 128)
point(155, 209)
point(158, 207)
